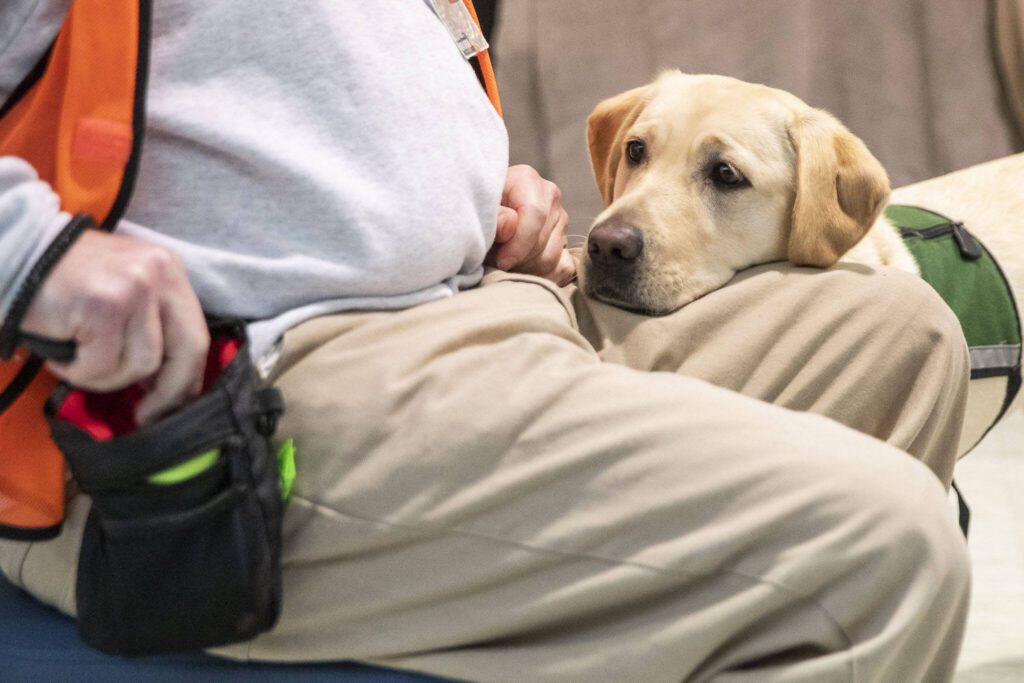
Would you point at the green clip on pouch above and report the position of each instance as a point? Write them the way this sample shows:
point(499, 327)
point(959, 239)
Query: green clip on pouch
point(182, 547)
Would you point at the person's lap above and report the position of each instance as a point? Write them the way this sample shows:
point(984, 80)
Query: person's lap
point(479, 494)
point(872, 349)
point(488, 481)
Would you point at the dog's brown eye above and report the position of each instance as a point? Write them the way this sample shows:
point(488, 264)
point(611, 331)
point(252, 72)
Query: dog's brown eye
point(725, 175)
point(635, 152)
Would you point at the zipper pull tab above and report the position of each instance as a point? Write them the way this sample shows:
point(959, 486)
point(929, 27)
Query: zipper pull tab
point(970, 248)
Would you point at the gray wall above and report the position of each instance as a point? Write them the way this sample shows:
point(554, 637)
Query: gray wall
point(916, 79)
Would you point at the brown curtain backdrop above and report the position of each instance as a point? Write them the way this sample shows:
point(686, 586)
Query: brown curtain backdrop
point(916, 79)
point(1009, 34)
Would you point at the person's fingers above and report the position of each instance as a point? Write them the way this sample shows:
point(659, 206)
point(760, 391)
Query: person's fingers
point(186, 342)
point(98, 325)
point(140, 355)
point(507, 221)
point(545, 262)
point(131, 311)
point(565, 272)
point(97, 356)
point(527, 239)
point(143, 347)
point(538, 205)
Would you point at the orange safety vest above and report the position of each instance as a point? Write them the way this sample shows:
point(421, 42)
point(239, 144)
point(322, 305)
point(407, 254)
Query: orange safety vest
point(79, 119)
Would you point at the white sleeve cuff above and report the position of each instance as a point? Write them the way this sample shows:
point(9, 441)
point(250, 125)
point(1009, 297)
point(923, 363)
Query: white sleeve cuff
point(30, 218)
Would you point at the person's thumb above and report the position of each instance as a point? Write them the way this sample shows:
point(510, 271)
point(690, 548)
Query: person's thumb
point(508, 219)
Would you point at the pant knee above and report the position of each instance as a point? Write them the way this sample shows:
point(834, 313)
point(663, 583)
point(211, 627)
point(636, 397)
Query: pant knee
point(918, 537)
point(925, 324)
point(905, 587)
point(914, 347)
point(922, 518)
point(894, 299)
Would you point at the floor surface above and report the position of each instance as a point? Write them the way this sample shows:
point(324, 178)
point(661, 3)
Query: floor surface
point(992, 479)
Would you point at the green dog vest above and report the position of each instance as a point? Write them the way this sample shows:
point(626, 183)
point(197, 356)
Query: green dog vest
point(968, 278)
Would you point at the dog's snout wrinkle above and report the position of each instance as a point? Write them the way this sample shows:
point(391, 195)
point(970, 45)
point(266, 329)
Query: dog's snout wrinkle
point(614, 243)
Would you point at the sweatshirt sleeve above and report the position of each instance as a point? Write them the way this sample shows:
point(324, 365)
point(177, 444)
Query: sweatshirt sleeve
point(30, 218)
point(27, 27)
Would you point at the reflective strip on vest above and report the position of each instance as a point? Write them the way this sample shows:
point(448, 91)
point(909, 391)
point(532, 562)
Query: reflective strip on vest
point(995, 356)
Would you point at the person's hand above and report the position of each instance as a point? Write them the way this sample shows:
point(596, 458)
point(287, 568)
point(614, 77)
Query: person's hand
point(532, 234)
point(131, 311)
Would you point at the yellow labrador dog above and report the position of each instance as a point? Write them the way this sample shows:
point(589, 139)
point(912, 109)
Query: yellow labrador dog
point(703, 176)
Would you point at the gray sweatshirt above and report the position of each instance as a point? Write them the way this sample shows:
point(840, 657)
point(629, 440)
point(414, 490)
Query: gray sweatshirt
point(301, 157)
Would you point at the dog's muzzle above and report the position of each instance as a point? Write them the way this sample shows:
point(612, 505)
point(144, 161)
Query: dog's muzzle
point(615, 251)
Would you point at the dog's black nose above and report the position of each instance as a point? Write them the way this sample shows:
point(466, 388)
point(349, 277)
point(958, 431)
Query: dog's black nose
point(613, 243)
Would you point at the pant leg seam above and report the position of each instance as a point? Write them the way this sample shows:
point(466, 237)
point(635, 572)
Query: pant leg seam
point(757, 580)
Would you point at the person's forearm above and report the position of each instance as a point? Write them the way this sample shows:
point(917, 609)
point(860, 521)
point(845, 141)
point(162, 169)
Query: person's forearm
point(30, 217)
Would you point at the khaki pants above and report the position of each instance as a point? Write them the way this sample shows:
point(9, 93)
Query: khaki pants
point(496, 487)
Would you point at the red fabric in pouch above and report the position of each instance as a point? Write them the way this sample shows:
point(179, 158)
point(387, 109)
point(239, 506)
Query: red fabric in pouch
point(106, 416)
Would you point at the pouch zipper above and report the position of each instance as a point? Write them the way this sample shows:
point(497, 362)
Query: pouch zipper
point(969, 247)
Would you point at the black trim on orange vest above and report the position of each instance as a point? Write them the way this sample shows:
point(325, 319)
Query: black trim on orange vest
point(9, 334)
point(9, 329)
point(12, 391)
point(32, 367)
point(20, 533)
point(131, 170)
point(26, 83)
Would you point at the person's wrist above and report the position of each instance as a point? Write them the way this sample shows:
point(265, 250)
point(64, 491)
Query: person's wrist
point(58, 247)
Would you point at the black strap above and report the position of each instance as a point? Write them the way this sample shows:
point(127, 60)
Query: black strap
point(964, 510)
point(9, 332)
point(270, 405)
point(131, 170)
point(21, 533)
point(50, 349)
point(20, 382)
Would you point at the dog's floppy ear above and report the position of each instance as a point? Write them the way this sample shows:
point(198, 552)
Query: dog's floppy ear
point(840, 189)
point(606, 127)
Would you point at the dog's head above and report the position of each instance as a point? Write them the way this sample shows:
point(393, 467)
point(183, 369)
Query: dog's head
point(703, 176)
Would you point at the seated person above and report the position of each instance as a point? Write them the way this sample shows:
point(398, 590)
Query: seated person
point(481, 494)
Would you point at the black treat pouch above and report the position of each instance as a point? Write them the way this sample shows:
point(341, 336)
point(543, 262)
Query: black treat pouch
point(182, 547)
